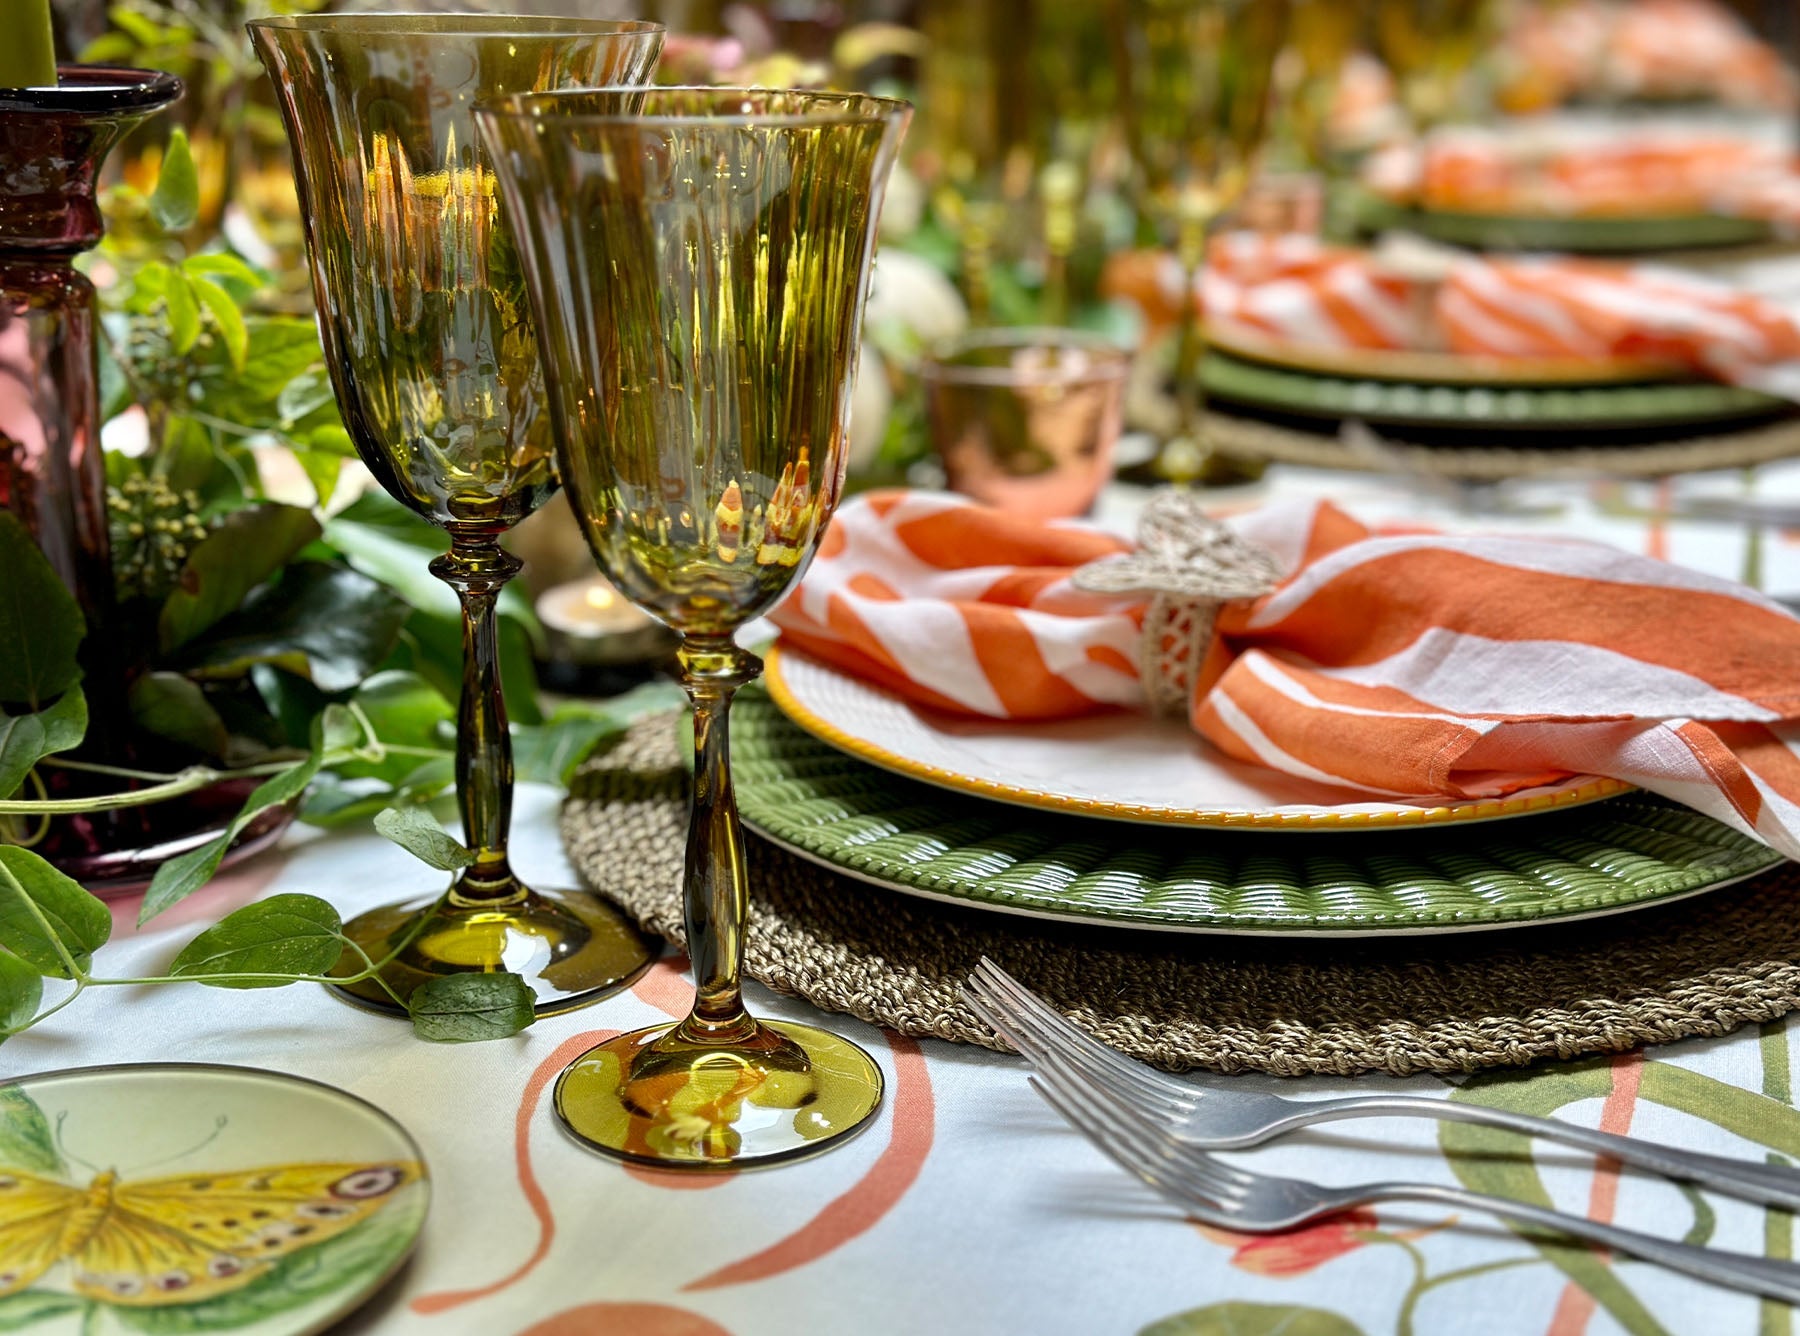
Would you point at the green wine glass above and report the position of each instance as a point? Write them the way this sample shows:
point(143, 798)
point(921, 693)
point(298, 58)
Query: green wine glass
point(423, 314)
point(698, 260)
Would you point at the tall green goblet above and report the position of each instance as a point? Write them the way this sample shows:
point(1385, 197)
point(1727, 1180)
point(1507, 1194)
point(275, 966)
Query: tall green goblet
point(698, 260)
point(423, 314)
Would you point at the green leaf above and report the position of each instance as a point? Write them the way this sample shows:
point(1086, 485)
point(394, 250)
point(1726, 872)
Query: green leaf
point(21, 991)
point(226, 315)
point(322, 470)
point(40, 622)
point(305, 394)
point(285, 934)
point(186, 873)
point(548, 753)
point(246, 549)
point(459, 1008)
point(25, 739)
point(415, 830)
point(26, 1139)
point(405, 711)
point(175, 202)
point(223, 264)
point(184, 312)
point(81, 921)
point(170, 706)
point(1247, 1319)
point(329, 624)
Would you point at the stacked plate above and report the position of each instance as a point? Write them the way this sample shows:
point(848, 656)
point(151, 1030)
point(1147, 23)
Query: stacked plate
point(1130, 821)
point(1492, 396)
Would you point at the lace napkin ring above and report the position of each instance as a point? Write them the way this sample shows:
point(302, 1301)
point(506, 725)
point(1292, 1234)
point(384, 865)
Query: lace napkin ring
point(1191, 566)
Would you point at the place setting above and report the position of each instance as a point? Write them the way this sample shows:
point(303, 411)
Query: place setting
point(761, 613)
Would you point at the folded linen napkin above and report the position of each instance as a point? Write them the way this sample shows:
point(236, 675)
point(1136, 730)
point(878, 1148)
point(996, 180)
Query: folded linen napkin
point(1413, 664)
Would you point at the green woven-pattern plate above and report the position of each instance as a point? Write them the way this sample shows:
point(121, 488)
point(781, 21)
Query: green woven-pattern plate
point(1589, 236)
point(1509, 408)
point(834, 809)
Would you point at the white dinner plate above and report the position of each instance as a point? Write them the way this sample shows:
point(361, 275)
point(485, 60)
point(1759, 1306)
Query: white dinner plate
point(1127, 766)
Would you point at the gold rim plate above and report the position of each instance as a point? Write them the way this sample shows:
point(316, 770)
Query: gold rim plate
point(1441, 368)
point(1123, 766)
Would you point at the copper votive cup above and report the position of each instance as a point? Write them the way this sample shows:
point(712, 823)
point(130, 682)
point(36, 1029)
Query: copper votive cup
point(1026, 419)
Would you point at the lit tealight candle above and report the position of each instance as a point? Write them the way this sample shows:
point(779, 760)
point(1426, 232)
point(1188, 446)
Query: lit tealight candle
point(589, 621)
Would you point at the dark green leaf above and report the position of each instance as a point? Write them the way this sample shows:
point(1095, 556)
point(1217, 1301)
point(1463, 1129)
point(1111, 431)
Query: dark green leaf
point(40, 622)
point(176, 200)
point(226, 316)
point(79, 920)
point(26, 1139)
point(458, 1008)
point(290, 699)
point(285, 934)
point(25, 739)
point(329, 624)
point(1701, 1231)
point(170, 706)
point(21, 991)
point(246, 549)
point(184, 312)
point(417, 831)
point(186, 873)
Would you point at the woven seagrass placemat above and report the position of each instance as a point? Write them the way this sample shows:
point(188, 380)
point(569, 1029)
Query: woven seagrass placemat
point(1291, 1007)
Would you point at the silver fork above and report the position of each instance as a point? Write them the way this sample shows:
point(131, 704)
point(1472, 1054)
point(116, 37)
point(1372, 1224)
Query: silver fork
point(1214, 1117)
point(1226, 1196)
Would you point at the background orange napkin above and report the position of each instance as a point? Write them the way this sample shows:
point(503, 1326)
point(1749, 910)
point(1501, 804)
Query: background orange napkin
point(1415, 664)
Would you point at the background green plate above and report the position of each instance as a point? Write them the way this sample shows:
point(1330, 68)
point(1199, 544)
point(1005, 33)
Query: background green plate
point(1588, 236)
point(834, 809)
point(1510, 408)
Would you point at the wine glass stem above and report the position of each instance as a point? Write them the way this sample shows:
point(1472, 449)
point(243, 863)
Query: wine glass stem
point(476, 566)
point(716, 896)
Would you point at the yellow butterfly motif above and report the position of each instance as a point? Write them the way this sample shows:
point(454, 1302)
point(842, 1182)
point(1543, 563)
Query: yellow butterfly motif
point(181, 1239)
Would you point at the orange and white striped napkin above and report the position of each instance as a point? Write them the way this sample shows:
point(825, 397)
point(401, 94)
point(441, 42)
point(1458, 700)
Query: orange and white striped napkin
point(1413, 664)
point(1295, 291)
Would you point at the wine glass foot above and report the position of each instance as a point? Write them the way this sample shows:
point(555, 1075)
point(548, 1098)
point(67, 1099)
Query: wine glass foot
point(651, 1097)
point(571, 948)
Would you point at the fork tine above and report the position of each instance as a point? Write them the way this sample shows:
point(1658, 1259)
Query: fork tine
point(1185, 1161)
point(1128, 1148)
point(1030, 1014)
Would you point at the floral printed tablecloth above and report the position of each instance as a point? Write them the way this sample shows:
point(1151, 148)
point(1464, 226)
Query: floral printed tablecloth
point(969, 1207)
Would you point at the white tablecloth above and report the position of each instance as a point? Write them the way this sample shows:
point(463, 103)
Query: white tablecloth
point(968, 1207)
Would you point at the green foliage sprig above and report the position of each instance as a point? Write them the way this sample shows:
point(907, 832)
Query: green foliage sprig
point(259, 640)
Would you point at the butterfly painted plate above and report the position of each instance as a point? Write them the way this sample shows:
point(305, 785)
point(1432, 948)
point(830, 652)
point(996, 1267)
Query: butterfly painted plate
point(1121, 765)
point(176, 1197)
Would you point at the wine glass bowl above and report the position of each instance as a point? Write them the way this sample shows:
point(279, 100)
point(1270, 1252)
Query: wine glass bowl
point(1194, 91)
point(699, 261)
point(428, 340)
